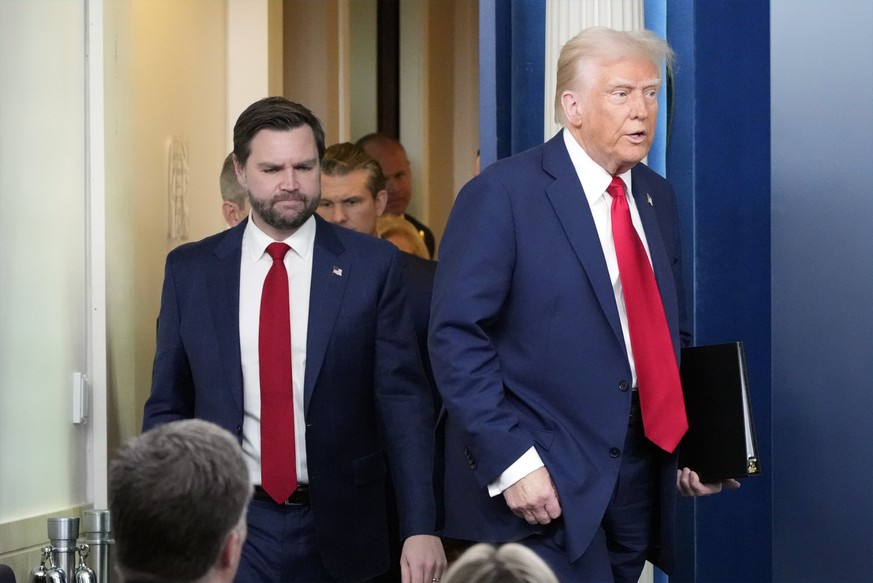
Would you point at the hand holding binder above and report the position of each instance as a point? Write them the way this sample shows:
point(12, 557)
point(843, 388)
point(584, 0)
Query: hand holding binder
point(720, 443)
point(689, 484)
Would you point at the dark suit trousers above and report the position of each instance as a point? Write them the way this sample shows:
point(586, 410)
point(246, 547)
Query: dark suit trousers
point(618, 552)
point(280, 546)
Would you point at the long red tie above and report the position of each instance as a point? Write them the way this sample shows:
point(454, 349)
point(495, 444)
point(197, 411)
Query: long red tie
point(661, 400)
point(278, 462)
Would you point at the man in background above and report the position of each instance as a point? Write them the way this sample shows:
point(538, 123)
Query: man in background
point(178, 496)
point(391, 156)
point(353, 195)
point(235, 202)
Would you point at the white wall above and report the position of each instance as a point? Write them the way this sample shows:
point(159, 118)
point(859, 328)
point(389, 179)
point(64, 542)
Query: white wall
point(43, 305)
point(166, 76)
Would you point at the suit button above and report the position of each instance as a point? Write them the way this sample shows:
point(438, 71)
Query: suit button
point(623, 386)
point(239, 428)
point(614, 452)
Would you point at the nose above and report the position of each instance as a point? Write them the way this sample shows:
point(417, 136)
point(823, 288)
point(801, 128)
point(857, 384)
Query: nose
point(289, 180)
point(339, 214)
point(638, 108)
point(639, 105)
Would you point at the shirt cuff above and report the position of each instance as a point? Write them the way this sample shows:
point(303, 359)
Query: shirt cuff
point(523, 466)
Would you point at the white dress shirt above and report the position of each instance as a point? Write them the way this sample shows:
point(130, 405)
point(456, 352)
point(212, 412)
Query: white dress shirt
point(594, 180)
point(255, 263)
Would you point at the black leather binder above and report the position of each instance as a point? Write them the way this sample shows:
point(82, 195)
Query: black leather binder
point(720, 442)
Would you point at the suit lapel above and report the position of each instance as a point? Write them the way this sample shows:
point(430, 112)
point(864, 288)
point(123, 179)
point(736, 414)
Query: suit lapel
point(568, 199)
point(222, 280)
point(646, 198)
point(331, 269)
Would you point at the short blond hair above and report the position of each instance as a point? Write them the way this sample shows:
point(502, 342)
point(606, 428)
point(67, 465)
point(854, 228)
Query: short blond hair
point(344, 158)
point(600, 43)
point(508, 563)
point(393, 225)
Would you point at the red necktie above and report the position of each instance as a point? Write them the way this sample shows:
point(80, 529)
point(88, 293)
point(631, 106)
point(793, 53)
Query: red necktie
point(660, 390)
point(278, 463)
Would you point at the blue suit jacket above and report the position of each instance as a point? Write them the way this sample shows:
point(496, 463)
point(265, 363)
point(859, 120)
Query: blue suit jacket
point(367, 403)
point(527, 346)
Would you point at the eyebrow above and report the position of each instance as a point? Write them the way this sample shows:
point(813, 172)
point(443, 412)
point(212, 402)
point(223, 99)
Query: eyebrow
point(628, 83)
point(268, 164)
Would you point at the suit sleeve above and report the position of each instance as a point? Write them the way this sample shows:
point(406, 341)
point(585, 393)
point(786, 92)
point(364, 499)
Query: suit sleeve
point(473, 281)
point(172, 392)
point(405, 405)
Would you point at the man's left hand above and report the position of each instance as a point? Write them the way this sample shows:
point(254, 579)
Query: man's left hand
point(688, 483)
point(423, 559)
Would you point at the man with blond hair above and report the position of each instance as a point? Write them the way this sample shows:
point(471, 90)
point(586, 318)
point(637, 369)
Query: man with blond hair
point(556, 325)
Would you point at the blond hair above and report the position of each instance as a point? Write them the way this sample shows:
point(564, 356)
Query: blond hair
point(388, 226)
point(600, 43)
point(509, 563)
point(344, 158)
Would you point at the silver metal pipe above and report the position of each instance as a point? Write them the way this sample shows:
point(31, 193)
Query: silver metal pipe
point(63, 533)
point(97, 534)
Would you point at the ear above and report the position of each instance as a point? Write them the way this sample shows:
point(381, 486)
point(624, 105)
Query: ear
point(228, 558)
point(381, 202)
point(232, 213)
point(572, 105)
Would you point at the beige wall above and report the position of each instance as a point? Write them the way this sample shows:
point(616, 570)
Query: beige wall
point(452, 104)
point(439, 94)
point(363, 64)
point(165, 79)
point(311, 54)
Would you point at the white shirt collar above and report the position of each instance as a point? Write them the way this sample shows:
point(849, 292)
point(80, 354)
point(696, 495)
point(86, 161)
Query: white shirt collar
point(593, 177)
point(301, 241)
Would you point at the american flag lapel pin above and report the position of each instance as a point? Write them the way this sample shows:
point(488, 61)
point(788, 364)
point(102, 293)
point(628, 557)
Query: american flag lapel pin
point(337, 271)
point(649, 199)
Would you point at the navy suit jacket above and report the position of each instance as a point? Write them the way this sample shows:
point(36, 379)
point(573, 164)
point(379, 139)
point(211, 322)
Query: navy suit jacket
point(367, 403)
point(419, 285)
point(527, 347)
